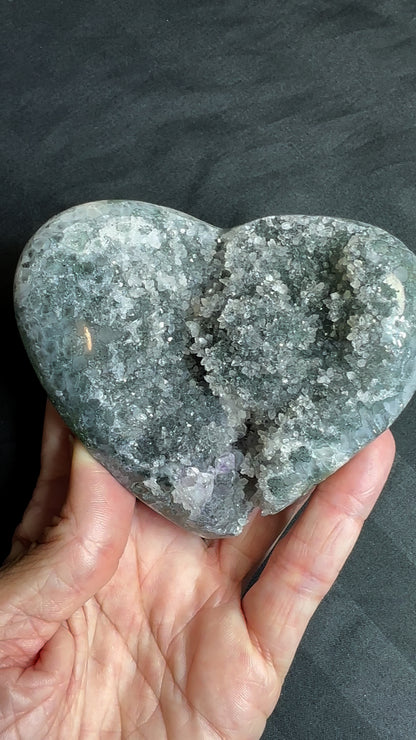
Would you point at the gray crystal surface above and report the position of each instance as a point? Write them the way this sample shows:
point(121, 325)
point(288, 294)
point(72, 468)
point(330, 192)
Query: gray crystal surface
point(214, 371)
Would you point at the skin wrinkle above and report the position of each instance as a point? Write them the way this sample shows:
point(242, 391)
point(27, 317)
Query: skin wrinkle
point(190, 664)
point(279, 664)
point(81, 644)
point(303, 551)
point(195, 543)
point(150, 617)
point(216, 597)
point(190, 673)
point(47, 620)
point(186, 700)
point(133, 658)
point(352, 506)
point(164, 656)
point(19, 718)
point(77, 566)
point(21, 652)
point(222, 555)
point(311, 586)
point(306, 581)
point(168, 671)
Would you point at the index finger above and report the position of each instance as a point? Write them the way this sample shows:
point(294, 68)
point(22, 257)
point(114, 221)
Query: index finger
point(305, 564)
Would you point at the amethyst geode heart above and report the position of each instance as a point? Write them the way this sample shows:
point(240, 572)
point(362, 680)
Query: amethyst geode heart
point(214, 371)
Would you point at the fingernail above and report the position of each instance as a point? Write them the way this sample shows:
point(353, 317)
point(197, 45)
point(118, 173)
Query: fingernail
point(81, 455)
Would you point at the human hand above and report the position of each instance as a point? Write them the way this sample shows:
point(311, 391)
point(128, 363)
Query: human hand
point(116, 623)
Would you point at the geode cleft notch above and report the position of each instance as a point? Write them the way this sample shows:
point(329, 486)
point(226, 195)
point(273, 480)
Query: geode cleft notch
point(212, 371)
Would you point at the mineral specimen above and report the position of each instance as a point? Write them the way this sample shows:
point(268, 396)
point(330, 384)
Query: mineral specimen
point(214, 371)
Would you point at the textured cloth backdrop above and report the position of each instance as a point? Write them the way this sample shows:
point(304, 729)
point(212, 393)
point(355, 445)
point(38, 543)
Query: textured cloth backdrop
point(230, 111)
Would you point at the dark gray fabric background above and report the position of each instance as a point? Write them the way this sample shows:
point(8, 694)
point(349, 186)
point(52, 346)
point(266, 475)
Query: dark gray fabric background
point(229, 111)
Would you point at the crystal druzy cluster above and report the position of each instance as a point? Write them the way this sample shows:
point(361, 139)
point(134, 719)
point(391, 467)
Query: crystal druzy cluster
point(214, 371)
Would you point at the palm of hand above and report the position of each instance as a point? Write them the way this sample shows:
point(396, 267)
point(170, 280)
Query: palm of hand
point(166, 646)
point(126, 626)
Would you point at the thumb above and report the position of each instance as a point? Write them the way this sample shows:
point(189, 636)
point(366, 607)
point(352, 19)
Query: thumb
point(74, 559)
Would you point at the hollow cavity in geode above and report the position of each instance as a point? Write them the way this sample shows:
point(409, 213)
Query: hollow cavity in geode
point(215, 371)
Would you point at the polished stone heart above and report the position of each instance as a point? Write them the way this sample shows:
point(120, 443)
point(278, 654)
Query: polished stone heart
point(213, 371)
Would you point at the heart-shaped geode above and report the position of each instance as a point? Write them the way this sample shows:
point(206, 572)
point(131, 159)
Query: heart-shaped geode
point(213, 371)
